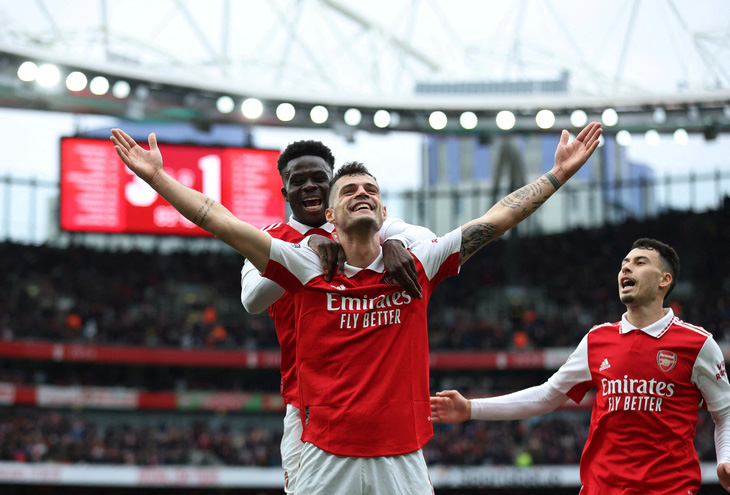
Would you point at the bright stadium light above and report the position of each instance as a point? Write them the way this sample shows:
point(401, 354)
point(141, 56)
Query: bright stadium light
point(225, 104)
point(652, 137)
point(578, 118)
point(623, 137)
point(28, 71)
point(609, 117)
point(505, 120)
point(319, 114)
point(438, 120)
point(545, 119)
point(468, 120)
point(76, 81)
point(99, 85)
point(381, 119)
point(285, 112)
point(353, 117)
point(121, 89)
point(48, 75)
point(252, 108)
point(681, 137)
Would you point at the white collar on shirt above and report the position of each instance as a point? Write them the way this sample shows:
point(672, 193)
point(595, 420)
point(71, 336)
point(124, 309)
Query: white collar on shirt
point(303, 229)
point(656, 329)
point(376, 266)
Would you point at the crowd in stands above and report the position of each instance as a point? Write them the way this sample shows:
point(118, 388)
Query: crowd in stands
point(519, 293)
point(40, 435)
point(542, 291)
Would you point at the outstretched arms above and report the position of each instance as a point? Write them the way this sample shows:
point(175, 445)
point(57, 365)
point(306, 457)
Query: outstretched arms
point(517, 206)
point(193, 205)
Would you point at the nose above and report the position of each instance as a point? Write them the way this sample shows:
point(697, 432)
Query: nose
point(309, 184)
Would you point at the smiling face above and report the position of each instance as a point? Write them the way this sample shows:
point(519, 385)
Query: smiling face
point(355, 202)
point(306, 187)
point(643, 278)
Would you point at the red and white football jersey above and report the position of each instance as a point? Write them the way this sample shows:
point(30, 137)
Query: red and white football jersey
point(362, 348)
point(282, 311)
point(650, 383)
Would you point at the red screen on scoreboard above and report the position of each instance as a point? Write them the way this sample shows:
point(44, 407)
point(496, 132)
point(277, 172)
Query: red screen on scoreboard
point(99, 193)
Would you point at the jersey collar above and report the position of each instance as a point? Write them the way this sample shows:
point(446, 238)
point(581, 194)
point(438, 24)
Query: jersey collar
point(376, 266)
point(656, 329)
point(303, 229)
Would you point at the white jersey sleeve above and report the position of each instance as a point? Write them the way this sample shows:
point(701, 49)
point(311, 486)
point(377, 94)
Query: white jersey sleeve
point(292, 265)
point(433, 253)
point(709, 376)
point(574, 371)
point(395, 228)
point(258, 292)
point(526, 403)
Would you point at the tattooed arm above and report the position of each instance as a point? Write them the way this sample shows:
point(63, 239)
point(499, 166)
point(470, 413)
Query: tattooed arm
point(517, 206)
point(193, 205)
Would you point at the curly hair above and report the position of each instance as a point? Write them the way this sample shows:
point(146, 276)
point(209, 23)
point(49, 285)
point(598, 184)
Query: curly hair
point(667, 255)
point(305, 148)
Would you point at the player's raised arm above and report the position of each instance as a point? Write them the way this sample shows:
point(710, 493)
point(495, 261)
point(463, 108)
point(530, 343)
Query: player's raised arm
point(517, 206)
point(193, 205)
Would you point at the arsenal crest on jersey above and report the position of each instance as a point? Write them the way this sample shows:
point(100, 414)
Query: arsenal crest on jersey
point(666, 360)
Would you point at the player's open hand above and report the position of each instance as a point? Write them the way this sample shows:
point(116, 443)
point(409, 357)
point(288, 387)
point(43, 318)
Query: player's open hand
point(569, 158)
point(143, 163)
point(450, 406)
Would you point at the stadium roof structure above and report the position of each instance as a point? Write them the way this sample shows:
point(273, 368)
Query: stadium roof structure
point(659, 64)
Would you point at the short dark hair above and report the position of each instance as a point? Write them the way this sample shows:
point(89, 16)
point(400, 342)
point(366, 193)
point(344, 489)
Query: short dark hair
point(349, 168)
point(305, 148)
point(667, 255)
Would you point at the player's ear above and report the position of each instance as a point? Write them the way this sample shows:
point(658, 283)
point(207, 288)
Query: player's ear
point(385, 213)
point(329, 215)
point(284, 194)
point(665, 281)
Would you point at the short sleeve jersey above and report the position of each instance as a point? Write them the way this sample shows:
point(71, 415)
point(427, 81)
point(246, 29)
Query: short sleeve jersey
point(362, 348)
point(282, 311)
point(650, 383)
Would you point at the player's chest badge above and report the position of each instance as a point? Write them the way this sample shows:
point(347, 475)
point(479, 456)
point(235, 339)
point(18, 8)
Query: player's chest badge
point(666, 360)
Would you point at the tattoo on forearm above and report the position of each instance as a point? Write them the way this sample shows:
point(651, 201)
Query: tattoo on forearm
point(476, 236)
point(526, 196)
point(203, 212)
point(555, 182)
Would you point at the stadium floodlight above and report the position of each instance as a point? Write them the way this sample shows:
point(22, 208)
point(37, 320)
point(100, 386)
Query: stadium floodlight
point(353, 116)
point(381, 119)
point(505, 120)
point(652, 137)
point(319, 114)
point(48, 75)
point(76, 81)
point(659, 115)
point(545, 119)
point(681, 137)
point(609, 117)
point(225, 104)
point(578, 118)
point(285, 112)
point(121, 89)
point(28, 71)
point(438, 120)
point(252, 108)
point(468, 120)
point(99, 85)
point(623, 137)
